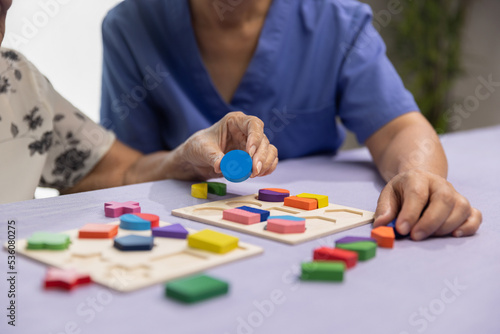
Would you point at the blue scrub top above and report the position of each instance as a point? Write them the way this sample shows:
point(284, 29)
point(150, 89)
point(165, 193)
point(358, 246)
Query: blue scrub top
point(316, 62)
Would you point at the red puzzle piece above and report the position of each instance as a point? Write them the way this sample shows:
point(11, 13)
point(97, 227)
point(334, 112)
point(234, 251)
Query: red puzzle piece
point(65, 278)
point(116, 209)
point(153, 219)
point(336, 254)
point(98, 231)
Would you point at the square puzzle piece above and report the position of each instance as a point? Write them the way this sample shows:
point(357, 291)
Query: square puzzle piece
point(213, 241)
point(47, 240)
point(65, 278)
point(116, 209)
point(195, 289)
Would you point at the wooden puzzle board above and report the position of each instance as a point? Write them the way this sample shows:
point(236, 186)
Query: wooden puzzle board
point(320, 222)
point(131, 270)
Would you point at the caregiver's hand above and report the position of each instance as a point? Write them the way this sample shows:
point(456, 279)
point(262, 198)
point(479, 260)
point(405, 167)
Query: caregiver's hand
point(201, 154)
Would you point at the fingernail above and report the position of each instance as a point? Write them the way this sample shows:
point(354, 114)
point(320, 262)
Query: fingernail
point(259, 167)
point(404, 228)
point(419, 235)
point(252, 150)
point(459, 234)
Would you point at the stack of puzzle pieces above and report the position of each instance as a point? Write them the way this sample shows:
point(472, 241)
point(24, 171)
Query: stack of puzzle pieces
point(329, 264)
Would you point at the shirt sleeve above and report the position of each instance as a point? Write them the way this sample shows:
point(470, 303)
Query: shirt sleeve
point(371, 93)
point(74, 146)
point(126, 106)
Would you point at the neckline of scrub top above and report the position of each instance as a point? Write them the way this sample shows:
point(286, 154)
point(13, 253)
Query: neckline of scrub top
point(263, 58)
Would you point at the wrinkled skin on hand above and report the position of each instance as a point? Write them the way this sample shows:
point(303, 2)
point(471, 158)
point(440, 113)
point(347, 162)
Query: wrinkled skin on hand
point(201, 154)
point(425, 205)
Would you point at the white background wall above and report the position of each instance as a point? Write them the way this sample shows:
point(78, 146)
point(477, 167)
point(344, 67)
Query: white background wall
point(63, 39)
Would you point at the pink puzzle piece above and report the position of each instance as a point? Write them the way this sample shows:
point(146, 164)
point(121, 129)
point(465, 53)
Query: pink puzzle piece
point(116, 209)
point(241, 216)
point(286, 226)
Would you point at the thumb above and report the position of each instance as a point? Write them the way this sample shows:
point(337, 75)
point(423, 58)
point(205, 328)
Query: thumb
point(387, 207)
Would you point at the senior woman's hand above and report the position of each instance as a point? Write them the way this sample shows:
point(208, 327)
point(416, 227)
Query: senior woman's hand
point(201, 154)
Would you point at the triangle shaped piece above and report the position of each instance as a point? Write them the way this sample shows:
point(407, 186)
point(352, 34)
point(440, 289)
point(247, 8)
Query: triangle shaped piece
point(176, 231)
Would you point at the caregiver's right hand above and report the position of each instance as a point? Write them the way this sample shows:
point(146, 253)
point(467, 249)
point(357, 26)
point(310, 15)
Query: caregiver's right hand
point(201, 154)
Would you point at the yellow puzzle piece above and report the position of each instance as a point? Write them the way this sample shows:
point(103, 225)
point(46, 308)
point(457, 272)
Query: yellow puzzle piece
point(199, 190)
point(213, 241)
point(322, 199)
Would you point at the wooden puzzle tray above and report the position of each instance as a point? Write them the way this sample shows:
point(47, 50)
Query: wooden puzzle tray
point(320, 222)
point(131, 270)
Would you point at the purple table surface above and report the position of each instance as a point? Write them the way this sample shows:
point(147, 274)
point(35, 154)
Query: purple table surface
point(442, 285)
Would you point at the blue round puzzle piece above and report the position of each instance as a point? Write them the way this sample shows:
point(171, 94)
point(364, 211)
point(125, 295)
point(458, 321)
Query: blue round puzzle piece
point(293, 218)
point(132, 222)
point(236, 166)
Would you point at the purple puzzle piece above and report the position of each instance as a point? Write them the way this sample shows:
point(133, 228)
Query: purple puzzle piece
point(176, 231)
point(272, 196)
point(348, 240)
point(116, 209)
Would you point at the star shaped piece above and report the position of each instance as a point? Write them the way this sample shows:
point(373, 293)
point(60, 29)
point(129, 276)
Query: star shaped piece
point(65, 278)
point(116, 209)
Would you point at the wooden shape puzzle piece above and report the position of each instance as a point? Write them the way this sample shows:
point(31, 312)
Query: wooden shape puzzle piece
point(135, 223)
point(273, 194)
point(217, 188)
point(196, 288)
point(47, 240)
point(365, 249)
point(176, 231)
point(323, 271)
point(153, 219)
point(116, 209)
point(396, 233)
point(301, 203)
point(133, 243)
point(350, 258)
point(199, 190)
point(350, 239)
point(384, 235)
point(264, 214)
point(65, 278)
point(98, 231)
point(321, 199)
point(236, 166)
point(241, 216)
point(212, 241)
point(286, 226)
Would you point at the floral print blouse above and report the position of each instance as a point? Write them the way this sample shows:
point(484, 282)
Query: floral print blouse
point(44, 140)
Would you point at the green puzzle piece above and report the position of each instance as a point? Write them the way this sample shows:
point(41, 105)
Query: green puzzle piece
point(196, 288)
point(365, 249)
point(217, 188)
point(47, 240)
point(323, 271)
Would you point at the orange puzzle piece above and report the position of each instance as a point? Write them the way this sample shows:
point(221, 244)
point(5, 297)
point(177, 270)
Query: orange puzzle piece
point(98, 231)
point(384, 235)
point(301, 203)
